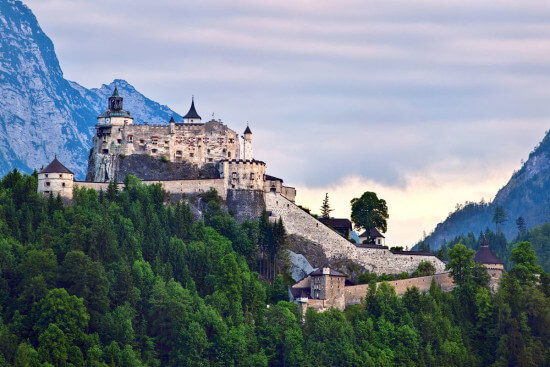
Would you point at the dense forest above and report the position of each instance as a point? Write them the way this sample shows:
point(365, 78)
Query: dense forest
point(538, 236)
point(526, 195)
point(123, 279)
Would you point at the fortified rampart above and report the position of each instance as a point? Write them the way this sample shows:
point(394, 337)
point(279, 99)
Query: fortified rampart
point(377, 260)
point(173, 187)
point(352, 295)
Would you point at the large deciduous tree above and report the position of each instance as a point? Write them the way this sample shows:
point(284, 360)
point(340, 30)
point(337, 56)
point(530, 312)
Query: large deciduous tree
point(369, 212)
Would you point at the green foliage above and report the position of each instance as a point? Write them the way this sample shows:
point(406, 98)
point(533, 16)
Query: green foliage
point(325, 208)
point(369, 212)
point(125, 280)
point(461, 262)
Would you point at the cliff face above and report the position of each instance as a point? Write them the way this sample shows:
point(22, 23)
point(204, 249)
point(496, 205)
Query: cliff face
point(41, 113)
point(527, 194)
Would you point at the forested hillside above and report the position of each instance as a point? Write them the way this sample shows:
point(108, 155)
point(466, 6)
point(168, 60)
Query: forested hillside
point(526, 195)
point(122, 279)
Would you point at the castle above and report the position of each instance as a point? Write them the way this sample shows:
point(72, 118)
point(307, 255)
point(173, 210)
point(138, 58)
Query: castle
point(192, 157)
point(212, 147)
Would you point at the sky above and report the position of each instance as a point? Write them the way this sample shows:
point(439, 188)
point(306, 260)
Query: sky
point(428, 103)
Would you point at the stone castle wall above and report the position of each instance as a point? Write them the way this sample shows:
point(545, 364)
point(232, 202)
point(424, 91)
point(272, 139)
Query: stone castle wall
point(173, 186)
point(335, 246)
point(198, 144)
point(245, 204)
point(353, 294)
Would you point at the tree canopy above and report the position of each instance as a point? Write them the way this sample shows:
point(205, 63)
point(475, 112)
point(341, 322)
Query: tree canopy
point(369, 211)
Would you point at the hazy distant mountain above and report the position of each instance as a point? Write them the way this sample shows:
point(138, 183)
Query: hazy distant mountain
point(43, 114)
point(527, 194)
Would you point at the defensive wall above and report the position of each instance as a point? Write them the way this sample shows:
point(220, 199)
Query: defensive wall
point(377, 260)
point(352, 295)
point(173, 186)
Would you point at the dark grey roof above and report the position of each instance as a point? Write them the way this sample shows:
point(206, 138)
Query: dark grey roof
point(172, 119)
point(55, 167)
point(192, 114)
point(115, 113)
point(485, 256)
point(337, 223)
point(115, 93)
point(247, 130)
point(272, 178)
point(333, 273)
point(372, 233)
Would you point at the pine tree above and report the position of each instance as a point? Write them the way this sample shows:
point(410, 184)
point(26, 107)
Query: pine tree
point(325, 208)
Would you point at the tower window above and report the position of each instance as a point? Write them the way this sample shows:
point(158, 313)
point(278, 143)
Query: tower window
point(191, 154)
point(119, 141)
point(251, 175)
point(105, 151)
point(46, 175)
point(63, 184)
point(47, 184)
point(60, 175)
point(130, 139)
point(229, 154)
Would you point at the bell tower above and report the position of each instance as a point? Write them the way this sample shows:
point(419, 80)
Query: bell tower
point(115, 101)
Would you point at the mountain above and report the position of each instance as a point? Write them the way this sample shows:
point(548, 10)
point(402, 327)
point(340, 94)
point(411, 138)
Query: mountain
point(43, 114)
point(527, 195)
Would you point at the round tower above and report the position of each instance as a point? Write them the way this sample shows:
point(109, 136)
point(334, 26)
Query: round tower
point(115, 113)
point(56, 179)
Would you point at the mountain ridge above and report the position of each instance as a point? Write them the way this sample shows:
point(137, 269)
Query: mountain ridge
point(526, 195)
point(42, 114)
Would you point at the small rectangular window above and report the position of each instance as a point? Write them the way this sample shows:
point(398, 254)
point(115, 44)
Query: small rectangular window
point(63, 184)
point(47, 184)
point(210, 159)
point(191, 154)
point(153, 150)
point(119, 141)
point(251, 175)
point(46, 175)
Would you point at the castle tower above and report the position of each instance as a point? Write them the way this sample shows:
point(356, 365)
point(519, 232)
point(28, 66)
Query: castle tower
point(192, 116)
point(246, 145)
point(56, 179)
point(487, 257)
point(115, 114)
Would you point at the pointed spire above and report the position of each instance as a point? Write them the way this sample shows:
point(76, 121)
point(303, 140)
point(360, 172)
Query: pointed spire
point(172, 119)
point(247, 130)
point(192, 114)
point(115, 92)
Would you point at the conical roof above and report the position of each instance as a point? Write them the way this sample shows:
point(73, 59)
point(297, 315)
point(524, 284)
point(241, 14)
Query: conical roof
point(172, 119)
point(115, 92)
point(192, 114)
point(485, 256)
point(56, 167)
point(247, 130)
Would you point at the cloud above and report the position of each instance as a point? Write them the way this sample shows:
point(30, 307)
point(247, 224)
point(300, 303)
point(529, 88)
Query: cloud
point(347, 95)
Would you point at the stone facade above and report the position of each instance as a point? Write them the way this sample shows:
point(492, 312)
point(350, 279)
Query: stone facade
point(378, 260)
point(191, 141)
point(341, 297)
point(56, 183)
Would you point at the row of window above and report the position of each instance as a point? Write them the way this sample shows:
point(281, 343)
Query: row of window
point(179, 140)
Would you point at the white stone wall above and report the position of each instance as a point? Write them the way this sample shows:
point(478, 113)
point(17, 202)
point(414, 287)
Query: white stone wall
point(56, 183)
point(243, 175)
point(173, 186)
point(194, 143)
point(380, 261)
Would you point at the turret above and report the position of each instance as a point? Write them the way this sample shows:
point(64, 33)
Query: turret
point(172, 124)
point(192, 116)
point(56, 179)
point(115, 114)
point(248, 134)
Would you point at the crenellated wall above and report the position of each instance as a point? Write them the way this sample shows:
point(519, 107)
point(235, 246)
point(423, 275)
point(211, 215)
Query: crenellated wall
point(377, 260)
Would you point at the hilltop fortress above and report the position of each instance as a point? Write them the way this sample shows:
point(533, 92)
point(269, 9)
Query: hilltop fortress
point(192, 157)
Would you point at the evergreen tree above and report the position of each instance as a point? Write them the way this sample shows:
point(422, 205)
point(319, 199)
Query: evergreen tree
point(325, 208)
